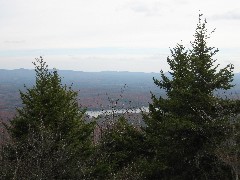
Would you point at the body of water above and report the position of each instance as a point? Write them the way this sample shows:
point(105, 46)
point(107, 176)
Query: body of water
point(116, 111)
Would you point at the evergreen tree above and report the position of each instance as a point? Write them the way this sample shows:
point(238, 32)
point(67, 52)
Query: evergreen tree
point(120, 147)
point(51, 123)
point(184, 129)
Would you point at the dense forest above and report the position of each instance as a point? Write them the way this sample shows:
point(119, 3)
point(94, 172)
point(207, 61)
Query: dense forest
point(190, 132)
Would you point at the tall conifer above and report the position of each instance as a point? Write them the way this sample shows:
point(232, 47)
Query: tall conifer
point(185, 128)
point(50, 137)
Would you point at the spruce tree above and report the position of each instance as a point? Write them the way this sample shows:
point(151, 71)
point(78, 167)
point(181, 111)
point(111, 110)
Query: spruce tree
point(184, 129)
point(50, 125)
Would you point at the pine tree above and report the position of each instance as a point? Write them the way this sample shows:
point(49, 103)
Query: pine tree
point(185, 128)
point(50, 125)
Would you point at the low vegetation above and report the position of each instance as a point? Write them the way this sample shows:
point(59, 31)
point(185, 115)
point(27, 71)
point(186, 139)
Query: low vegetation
point(191, 134)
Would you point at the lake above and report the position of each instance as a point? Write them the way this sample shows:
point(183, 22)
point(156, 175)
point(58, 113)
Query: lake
point(116, 111)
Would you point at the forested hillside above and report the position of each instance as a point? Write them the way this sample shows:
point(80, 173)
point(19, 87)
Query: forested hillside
point(95, 88)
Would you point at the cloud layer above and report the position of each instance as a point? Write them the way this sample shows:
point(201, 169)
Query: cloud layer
point(28, 25)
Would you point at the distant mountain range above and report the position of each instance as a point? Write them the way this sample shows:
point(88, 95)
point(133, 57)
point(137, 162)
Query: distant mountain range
point(97, 89)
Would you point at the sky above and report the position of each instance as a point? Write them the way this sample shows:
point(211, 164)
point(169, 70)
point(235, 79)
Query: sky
point(112, 35)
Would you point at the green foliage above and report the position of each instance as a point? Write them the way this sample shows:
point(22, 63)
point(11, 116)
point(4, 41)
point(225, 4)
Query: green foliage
point(185, 128)
point(118, 149)
point(48, 102)
point(49, 133)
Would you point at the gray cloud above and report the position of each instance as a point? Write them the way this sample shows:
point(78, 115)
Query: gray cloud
point(153, 8)
point(15, 41)
point(230, 15)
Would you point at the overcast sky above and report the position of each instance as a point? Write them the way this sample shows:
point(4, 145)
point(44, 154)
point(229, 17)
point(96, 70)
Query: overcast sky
point(121, 35)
